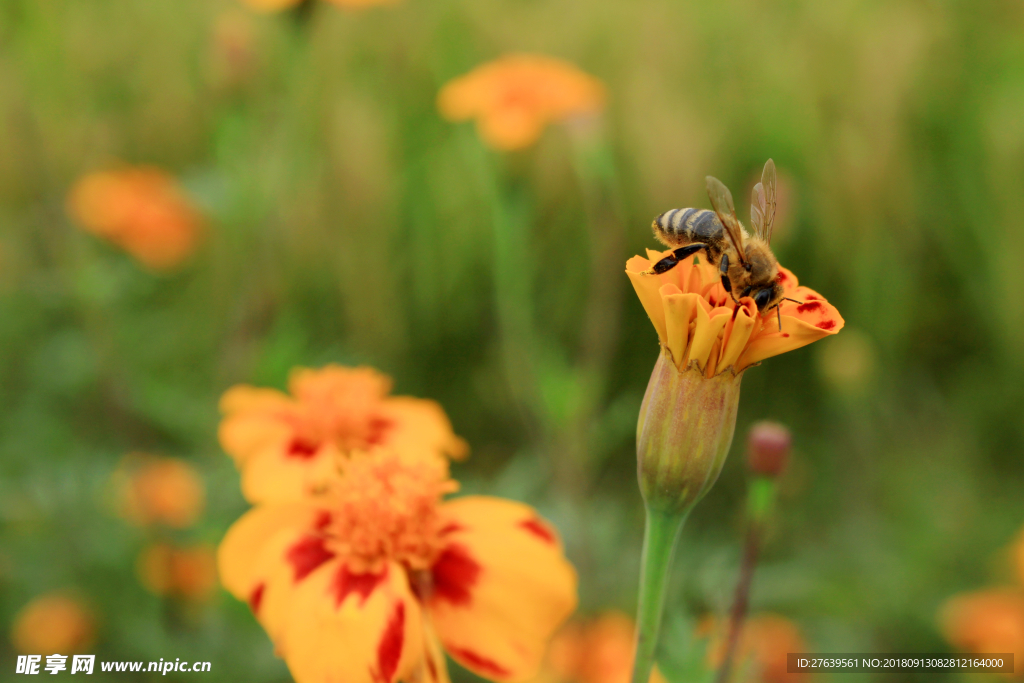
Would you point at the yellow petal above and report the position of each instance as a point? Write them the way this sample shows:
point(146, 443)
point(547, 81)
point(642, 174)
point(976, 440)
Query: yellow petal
point(274, 474)
point(648, 289)
point(252, 418)
point(420, 427)
point(501, 587)
point(737, 332)
point(253, 556)
point(802, 324)
point(355, 628)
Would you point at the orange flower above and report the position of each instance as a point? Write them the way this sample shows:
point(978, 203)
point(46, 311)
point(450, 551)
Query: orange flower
point(987, 622)
point(369, 581)
point(189, 573)
point(514, 97)
point(287, 446)
point(702, 328)
point(155, 490)
point(598, 651)
point(766, 639)
point(140, 209)
point(53, 623)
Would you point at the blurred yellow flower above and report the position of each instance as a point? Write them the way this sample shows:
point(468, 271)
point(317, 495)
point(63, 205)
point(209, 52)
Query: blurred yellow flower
point(53, 623)
point(154, 490)
point(140, 209)
point(986, 621)
point(595, 651)
point(189, 572)
point(368, 582)
point(765, 641)
point(514, 97)
point(288, 446)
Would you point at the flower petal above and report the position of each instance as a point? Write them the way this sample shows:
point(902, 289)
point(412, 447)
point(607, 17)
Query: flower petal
point(802, 324)
point(252, 418)
point(253, 559)
point(419, 427)
point(500, 588)
point(353, 627)
point(277, 473)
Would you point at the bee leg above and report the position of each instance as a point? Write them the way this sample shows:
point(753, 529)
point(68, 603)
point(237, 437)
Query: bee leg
point(672, 260)
point(723, 268)
point(778, 310)
point(663, 266)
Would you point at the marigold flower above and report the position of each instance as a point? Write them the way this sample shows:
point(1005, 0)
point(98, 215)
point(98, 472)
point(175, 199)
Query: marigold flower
point(765, 641)
point(367, 582)
point(707, 340)
point(514, 97)
point(288, 446)
point(595, 651)
point(985, 622)
point(156, 490)
point(140, 209)
point(53, 623)
point(189, 572)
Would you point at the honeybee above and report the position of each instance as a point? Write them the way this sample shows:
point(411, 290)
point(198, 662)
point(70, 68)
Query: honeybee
point(745, 262)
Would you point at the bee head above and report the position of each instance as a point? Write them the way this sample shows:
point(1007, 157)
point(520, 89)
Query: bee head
point(767, 296)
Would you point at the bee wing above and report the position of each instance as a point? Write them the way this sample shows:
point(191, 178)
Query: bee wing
point(721, 201)
point(757, 210)
point(768, 202)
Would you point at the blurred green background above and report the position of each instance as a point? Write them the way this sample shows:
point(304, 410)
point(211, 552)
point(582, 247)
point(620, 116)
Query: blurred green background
point(347, 222)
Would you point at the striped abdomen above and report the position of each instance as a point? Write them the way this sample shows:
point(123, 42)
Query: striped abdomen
point(677, 227)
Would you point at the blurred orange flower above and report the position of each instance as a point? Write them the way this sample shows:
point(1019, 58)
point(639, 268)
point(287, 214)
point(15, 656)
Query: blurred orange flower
point(156, 490)
point(514, 97)
point(765, 641)
point(278, 5)
point(288, 446)
point(53, 623)
point(189, 572)
point(986, 622)
point(142, 210)
point(702, 328)
point(595, 651)
point(367, 582)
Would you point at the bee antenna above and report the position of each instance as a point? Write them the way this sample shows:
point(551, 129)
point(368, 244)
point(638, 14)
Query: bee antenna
point(786, 298)
point(778, 312)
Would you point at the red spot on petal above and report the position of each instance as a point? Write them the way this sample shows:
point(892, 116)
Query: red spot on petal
point(454, 573)
point(389, 651)
point(826, 324)
point(323, 520)
point(378, 430)
point(256, 597)
point(539, 529)
point(481, 665)
point(782, 277)
point(346, 583)
point(306, 555)
point(812, 297)
point(302, 449)
point(809, 306)
point(451, 528)
point(785, 334)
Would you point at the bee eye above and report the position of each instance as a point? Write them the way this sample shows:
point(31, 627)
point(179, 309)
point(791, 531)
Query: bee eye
point(762, 298)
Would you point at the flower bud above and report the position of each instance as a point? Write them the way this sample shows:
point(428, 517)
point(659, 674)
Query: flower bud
point(768, 447)
point(685, 429)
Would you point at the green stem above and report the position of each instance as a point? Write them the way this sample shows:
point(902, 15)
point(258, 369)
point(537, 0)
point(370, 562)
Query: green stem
point(660, 535)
